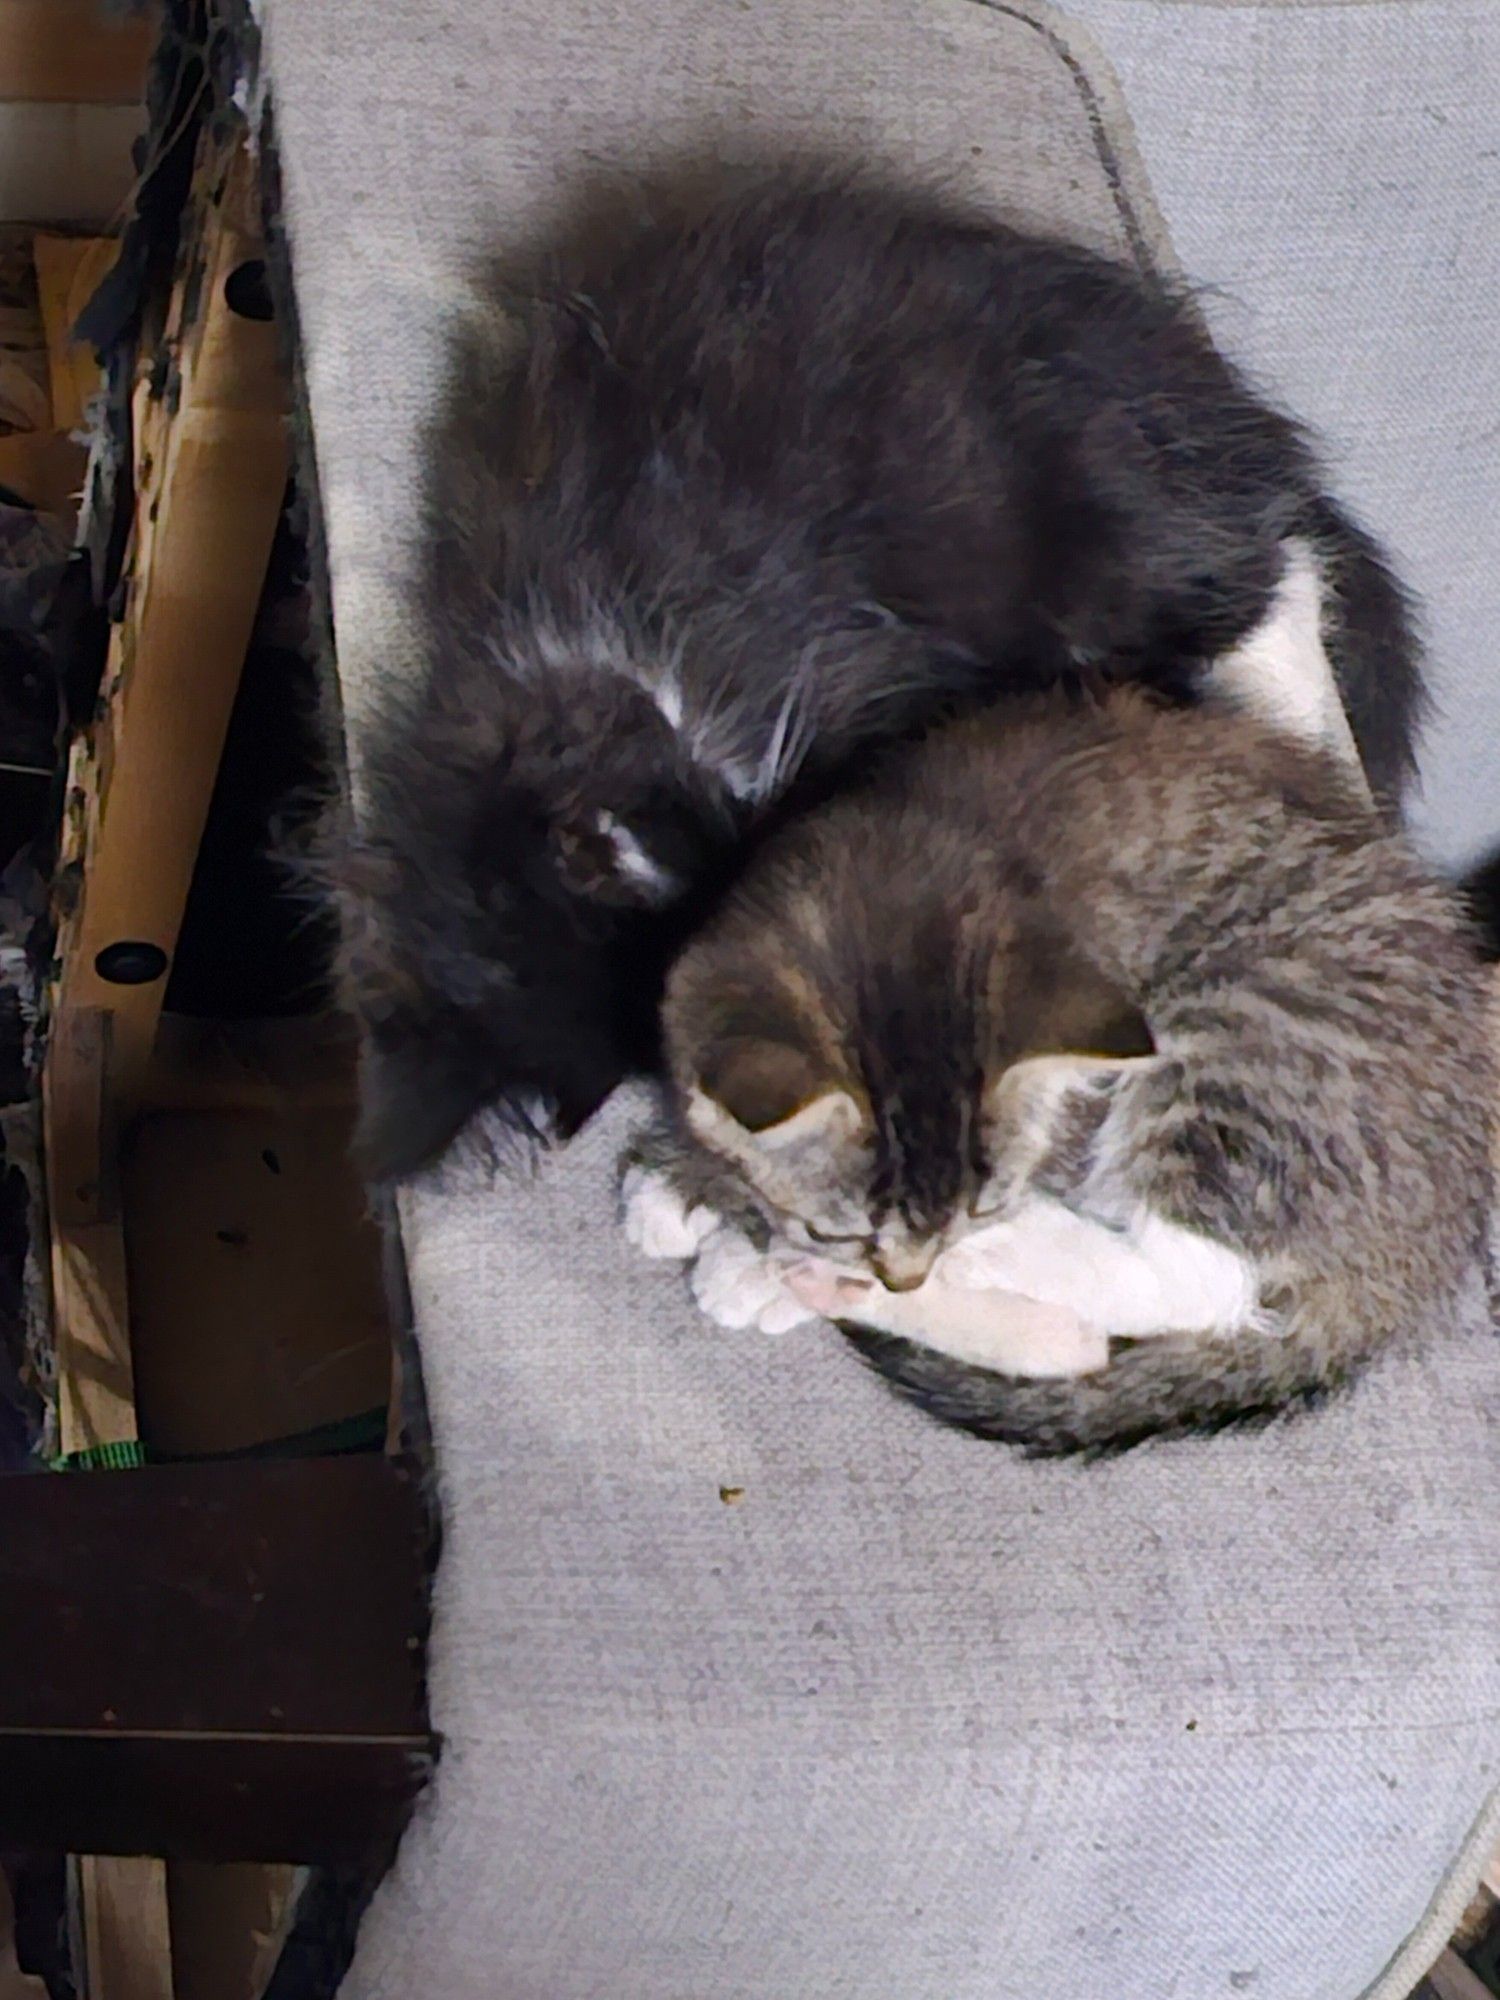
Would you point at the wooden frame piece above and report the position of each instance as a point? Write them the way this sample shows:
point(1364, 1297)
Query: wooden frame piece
point(210, 473)
point(1451, 1979)
point(219, 1662)
point(73, 52)
point(68, 270)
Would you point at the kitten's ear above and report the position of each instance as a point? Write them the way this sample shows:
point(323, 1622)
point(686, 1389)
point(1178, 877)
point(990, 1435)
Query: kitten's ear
point(759, 1083)
point(1045, 1113)
point(1032, 1092)
point(413, 1105)
point(770, 1094)
point(605, 861)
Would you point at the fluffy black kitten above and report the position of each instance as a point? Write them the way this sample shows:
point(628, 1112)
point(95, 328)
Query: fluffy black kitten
point(774, 480)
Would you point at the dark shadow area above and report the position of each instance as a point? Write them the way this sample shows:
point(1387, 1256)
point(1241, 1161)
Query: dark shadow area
point(1480, 889)
point(251, 947)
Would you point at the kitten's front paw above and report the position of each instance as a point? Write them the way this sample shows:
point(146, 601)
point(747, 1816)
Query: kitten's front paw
point(826, 1290)
point(738, 1286)
point(658, 1221)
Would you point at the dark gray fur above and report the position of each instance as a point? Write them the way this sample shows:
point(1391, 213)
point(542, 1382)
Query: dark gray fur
point(831, 460)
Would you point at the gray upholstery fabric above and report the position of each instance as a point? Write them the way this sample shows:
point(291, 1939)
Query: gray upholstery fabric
point(1332, 173)
point(911, 1717)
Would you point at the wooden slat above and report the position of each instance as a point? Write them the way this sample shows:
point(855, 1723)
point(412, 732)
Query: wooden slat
point(127, 1927)
point(45, 468)
point(229, 1922)
point(211, 485)
point(68, 269)
point(326, 1802)
point(96, 1393)
point(73, 52)
point(256, 1304)
point(1451, 1979)
point(68, 163)
point(214, 1661)
point(302, 1063)
point(234, 1598)
point(210, 478)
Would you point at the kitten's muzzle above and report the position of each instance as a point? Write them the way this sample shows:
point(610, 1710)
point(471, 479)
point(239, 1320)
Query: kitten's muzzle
point(903, 1273)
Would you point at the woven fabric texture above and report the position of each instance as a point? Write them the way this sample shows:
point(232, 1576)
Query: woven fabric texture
point(756, 1684)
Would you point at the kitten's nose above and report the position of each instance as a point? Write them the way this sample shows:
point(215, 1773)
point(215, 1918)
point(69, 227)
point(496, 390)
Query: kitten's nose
point(909, 1281)
point(902, 1271)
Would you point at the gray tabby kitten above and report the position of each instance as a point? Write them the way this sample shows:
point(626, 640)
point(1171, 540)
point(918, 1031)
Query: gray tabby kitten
point(1103, 1071)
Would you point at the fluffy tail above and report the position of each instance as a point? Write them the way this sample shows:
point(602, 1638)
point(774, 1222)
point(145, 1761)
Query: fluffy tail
point(1480, 890)
point(1371, 636)
point(1167, 1387)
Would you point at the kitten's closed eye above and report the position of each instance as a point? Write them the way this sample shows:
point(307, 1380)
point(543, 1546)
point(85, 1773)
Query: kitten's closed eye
point(828, 1236)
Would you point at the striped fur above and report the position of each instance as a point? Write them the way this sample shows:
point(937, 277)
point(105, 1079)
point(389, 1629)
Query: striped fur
point(1068, 876)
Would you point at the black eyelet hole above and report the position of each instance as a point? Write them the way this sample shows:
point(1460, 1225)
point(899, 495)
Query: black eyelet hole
point(131, 962)
point(246, 291)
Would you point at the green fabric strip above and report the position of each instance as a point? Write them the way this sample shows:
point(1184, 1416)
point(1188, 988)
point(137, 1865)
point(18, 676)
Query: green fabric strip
point(122, 1456)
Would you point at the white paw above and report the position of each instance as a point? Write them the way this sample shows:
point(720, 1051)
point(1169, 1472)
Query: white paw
point(738, 1286)
point(826, 1290)
point(657, 1220)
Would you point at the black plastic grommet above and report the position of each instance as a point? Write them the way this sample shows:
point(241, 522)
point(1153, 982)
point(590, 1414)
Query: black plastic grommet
point(247, 292)
point(131, 962)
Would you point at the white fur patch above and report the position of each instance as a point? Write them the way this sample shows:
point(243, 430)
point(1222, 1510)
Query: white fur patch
point(1048, 1252)
point(738, 1286)
point(1039, 1294)
point(658, 1221)
point(1005, 1331)
point(1156, 1279)
point(1280, 670)
point(1205, 1286)
point(667, 695)
point(1042, 1293)
point(635, 863)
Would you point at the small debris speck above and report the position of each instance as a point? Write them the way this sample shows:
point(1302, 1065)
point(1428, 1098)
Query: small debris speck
point(235, 1238)
point(731, 1495)
point(1193, 1724)
point(270, 1160)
